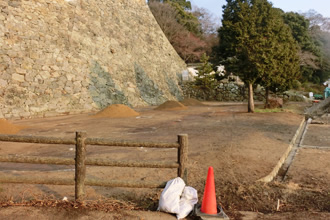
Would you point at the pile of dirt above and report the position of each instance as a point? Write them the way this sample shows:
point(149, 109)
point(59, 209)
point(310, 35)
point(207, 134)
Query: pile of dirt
point(8, 128)
point(275, 103)
point(191, 102)
point(117, 111)
point(171, 105)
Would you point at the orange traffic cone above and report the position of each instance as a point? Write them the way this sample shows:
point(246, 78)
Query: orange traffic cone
point(209, 203)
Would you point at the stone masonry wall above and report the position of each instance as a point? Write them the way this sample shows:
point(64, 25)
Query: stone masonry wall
point(227, 91)
point(224, 91)
point(72, 56)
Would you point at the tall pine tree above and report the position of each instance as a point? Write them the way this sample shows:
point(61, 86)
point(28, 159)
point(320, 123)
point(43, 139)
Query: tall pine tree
point(256, 45)
point(277, 57)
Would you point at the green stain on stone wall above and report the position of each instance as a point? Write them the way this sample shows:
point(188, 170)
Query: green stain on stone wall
point(103, 89)
point(149, 90)
point(174, 88)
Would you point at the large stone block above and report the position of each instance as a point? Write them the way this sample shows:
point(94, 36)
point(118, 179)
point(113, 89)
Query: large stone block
point(18, 77)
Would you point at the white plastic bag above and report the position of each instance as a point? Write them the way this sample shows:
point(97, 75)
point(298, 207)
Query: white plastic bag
point(188, 199)
point(170, 198)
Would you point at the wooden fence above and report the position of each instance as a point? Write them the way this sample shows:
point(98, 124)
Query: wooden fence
point(80, 161)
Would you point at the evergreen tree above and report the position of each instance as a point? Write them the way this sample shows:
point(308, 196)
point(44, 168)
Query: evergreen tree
point(279, 66)
point(205, 81)
point(311, 57)
point(300, 30)
point(186, 5)
point(182, 3)
point(256, 45)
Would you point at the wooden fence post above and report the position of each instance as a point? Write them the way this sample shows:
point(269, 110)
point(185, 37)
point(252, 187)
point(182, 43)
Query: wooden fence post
point(80, 168)
point(183, 157)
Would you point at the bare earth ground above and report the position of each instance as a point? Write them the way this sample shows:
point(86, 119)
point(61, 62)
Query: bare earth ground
point(241, 147)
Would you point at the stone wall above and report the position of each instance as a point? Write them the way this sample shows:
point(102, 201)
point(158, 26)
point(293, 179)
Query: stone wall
point(231, 91)
point(225, 91)
point(73, 56)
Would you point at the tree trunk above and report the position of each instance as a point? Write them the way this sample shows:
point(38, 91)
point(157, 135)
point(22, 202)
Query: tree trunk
point(267, 98)
point(251, 101)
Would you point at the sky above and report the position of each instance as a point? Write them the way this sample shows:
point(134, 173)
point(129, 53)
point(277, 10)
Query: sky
point(300, 6)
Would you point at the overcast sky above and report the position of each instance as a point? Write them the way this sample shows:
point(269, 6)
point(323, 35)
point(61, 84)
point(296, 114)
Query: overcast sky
point(321, 6)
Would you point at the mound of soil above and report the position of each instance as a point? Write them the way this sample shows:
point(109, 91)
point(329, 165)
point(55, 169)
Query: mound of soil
point(117, 111)
point(8, 128)
point(275, 103)
point(171, 105)
point(191, 102)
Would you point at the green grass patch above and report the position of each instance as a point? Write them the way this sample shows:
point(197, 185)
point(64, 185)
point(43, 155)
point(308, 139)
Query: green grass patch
point(268, 110)
point(297, 108)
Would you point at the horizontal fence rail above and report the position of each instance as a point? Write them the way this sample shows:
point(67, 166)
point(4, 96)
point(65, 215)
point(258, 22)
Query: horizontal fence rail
point(88, 182)
point(36, 180)
point(90, 161)
point(37, 139)
point(38, 160)
point(89, 141)
point(108, 142)
point(127, 184)
point(80, 161)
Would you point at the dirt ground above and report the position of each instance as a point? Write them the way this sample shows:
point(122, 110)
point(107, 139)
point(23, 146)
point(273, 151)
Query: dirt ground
point(241, 147)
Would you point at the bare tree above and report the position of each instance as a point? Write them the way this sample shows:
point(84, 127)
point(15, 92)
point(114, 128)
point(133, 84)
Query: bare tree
point(316, 19)
point(210, 23)
point(189, 47)
point(165, 16)
point(186, 44)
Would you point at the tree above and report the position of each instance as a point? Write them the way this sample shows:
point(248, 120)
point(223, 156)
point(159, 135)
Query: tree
point(205, 80)
point(209, 27)
point(310, 51)
point(249, 43)
point(311, 31)
point(184, 15)
point(316, 19)
point(188, 45)
point(280, 66)
point(319, 30)
point(207, 20)
point(300, 30)
point(237, 36)
point(165, 16)
point(182, 3)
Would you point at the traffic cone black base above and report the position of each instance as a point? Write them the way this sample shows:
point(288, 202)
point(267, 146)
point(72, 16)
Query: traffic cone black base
point(203, 216)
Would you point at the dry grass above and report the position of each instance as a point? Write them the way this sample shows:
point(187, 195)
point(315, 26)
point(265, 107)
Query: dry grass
point(102, 204)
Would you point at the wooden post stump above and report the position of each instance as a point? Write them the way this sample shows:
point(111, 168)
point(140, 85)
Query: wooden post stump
point(183, 157)
point(80, 167)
